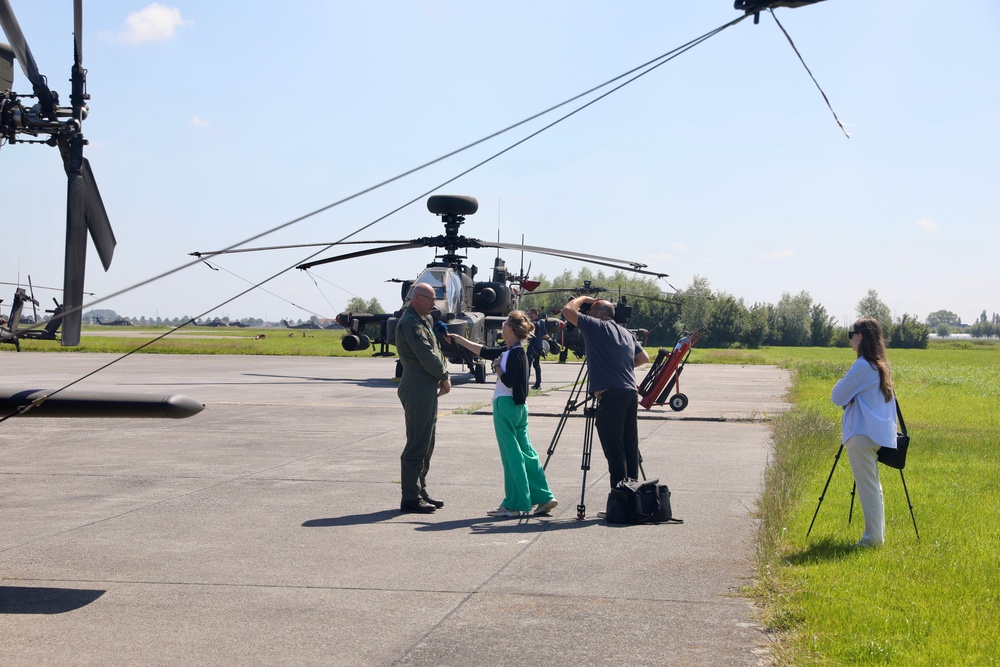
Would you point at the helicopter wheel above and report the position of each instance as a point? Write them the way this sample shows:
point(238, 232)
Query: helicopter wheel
point(479, 372)
point(678, 402)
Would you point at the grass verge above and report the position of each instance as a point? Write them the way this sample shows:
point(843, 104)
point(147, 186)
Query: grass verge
point(928, 601)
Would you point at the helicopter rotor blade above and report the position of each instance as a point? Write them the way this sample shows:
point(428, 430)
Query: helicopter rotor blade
point(360, 253)
point(76, 259)
point(34, 301)
point(97, 217)
point(622, 264)
point(78, 32)
point(12, 29)
point(330, 244)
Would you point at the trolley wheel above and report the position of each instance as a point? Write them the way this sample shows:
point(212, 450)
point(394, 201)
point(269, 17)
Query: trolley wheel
point(678, 402)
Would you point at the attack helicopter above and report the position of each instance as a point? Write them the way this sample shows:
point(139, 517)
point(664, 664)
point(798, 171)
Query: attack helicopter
point(464, 305)
point(13, 333)
point(85, 211)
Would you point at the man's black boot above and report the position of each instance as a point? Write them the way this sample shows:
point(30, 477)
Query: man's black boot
point(418, 506)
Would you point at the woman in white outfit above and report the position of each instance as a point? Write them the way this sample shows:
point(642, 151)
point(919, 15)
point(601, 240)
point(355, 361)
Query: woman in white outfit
point(866, 395)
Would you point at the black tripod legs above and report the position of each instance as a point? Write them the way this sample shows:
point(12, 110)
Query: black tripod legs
point(825, 487)
point(850, 515)
point(907, 492)
point(590, 414)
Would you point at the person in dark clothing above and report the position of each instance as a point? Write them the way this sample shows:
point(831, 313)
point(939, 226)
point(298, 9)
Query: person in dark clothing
point(425, 377)
point(536, 346)
point(524, 478)
point(612, 356)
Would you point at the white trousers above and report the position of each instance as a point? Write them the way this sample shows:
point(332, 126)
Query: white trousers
point(861, 452)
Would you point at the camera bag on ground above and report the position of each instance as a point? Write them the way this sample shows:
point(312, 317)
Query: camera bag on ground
point(635, 502)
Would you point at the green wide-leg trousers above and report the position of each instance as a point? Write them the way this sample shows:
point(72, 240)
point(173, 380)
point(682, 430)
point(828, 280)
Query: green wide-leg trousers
point(523, 476)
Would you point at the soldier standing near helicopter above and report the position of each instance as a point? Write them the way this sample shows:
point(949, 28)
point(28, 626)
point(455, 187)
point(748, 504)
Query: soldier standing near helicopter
point(425, 377)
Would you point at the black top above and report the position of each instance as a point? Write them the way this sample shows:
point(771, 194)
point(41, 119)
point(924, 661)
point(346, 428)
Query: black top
point(516, 375)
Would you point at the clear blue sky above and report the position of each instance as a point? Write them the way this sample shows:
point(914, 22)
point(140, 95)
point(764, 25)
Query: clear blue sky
point(214, 121)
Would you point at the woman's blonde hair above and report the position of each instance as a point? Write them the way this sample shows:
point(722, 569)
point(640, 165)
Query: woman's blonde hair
point(872, 348)
point(519, 324)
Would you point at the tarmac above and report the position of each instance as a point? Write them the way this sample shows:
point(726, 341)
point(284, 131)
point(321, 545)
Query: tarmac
point(265, 530)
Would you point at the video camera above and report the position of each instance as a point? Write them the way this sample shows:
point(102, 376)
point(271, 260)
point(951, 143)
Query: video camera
point(623, 311)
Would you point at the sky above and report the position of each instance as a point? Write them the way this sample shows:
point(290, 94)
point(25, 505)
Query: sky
point(211, 123)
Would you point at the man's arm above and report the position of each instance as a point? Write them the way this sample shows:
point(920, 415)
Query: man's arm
point(641, 357)
point(571, 311)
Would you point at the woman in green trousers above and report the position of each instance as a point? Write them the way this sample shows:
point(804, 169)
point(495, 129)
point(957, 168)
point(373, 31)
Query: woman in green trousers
point(524, 478)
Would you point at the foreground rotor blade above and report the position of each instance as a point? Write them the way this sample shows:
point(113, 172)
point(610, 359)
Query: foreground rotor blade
point(622, 264)
point(76, 260)
point(12, 29)
point(77, 32)
point(97, 218)
point(98, 404)
point(19, 44)
point(360, 253)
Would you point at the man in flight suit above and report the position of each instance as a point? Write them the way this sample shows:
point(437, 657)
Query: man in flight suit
point(425, 377)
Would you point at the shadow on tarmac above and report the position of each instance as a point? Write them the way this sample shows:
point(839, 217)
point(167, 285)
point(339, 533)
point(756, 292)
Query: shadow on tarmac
point(476, 525)
point(26, 600)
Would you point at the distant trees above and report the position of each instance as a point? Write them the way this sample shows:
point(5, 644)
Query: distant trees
point(796, 320)
point(985, 327)
point(872, 306)
point(359, 305)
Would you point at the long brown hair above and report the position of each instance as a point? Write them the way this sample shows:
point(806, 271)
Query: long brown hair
point(872, 348)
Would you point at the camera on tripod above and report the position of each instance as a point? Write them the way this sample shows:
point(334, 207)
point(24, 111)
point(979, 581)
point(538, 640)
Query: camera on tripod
point(623, 311)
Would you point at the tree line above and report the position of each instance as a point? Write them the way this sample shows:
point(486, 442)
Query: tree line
point(796, 320)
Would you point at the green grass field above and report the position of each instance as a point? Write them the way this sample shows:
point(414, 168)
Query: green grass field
point(205, 340)
point(928, 601)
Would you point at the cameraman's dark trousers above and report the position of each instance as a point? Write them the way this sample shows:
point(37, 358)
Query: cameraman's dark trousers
point(617, 415)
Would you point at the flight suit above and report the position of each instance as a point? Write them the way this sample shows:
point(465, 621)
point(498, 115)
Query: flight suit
point(424, 366)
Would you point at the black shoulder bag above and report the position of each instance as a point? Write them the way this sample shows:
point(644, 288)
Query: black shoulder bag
point(896, 458)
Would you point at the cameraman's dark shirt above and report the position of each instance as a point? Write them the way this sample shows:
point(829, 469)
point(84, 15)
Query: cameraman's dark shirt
point(611, 352)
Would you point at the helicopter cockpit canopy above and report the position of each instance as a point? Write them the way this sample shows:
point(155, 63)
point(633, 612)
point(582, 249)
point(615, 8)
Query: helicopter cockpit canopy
point(447, 286)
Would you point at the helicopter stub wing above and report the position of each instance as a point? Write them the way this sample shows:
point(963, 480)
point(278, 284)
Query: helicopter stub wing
point(33, 403)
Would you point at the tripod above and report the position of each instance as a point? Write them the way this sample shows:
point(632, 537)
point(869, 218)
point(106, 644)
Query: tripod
point(573, 403)
point(853, 489)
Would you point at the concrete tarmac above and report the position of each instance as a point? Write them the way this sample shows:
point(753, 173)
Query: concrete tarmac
point(265, 530)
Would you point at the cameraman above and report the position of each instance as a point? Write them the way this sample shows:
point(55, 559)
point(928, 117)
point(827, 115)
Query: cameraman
point(612, 356)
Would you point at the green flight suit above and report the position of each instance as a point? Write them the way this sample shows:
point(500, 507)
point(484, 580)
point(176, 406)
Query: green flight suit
point(424, 366)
